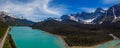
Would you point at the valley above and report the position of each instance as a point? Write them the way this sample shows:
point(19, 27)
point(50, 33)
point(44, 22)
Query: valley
point(98, 29)
point(77, 31)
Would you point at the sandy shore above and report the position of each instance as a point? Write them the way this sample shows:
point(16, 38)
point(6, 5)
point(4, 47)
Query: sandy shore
point(62, 38)
point(90, 46)
point(81, 47)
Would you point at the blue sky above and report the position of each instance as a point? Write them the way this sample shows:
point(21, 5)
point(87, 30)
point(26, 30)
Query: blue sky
point(37, 10)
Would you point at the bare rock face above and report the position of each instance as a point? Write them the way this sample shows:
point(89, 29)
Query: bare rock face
point(113, 14)
point(2, 19)
point(2, 15)
point(100, 16)
point(84, 17)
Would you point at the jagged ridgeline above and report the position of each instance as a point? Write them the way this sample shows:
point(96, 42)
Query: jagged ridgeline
point(100, 16)
point(85, 29)
point(14, 20)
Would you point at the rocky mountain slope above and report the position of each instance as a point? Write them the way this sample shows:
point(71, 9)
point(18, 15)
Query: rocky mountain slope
point(100, 16)
point(4, 17)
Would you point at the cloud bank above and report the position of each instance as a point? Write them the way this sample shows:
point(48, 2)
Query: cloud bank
point(34, 10)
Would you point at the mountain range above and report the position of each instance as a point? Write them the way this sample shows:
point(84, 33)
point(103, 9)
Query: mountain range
point(14, 21)
point(85, 29)
point(99, 16)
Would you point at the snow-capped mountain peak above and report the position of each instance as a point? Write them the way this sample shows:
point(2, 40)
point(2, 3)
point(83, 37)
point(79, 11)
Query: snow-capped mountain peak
point(100, 16)
point(73, 18)
point(99, 10)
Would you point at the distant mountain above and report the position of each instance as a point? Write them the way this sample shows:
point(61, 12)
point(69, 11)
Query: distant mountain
point(100, 16)
point(113, 14)
point(99, 19)
point(84, 17)
point(107, 19)
point(4, 17)
point(85, 29)
point(110, 16)
point(76, 34)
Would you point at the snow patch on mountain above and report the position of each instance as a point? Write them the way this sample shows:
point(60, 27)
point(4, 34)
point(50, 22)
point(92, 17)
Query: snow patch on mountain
point(89, 20)
point(73, 18)
point(115, 17)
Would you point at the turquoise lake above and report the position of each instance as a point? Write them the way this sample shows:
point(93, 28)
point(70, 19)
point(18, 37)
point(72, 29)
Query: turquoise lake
point(111, 44)
point(26, 37)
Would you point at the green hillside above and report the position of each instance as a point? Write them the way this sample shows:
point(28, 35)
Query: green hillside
point(3, 28)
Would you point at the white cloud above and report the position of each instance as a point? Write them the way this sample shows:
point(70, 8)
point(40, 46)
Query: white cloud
point(88, 9)
point(105, 8)
point(36, 8)
point(110, 1)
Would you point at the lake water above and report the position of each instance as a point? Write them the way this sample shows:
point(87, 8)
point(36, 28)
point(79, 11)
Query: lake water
point(111, 44)
point(26, 37)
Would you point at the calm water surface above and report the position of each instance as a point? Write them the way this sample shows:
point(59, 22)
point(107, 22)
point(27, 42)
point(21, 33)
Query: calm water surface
point(26, 37)
point(111, 44)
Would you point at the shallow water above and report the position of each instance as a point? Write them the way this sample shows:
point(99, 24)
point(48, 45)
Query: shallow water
point(111, 44)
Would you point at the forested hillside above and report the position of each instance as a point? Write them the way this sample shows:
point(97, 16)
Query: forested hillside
point(3, 28)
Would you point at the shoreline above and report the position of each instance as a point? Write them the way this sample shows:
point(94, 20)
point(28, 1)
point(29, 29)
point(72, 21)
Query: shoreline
point(66, 45)
point(5, 37)
point(12, 41)
point(60, 37)
point(95, 46)
point(10, 38)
